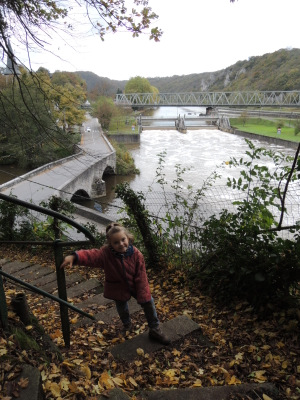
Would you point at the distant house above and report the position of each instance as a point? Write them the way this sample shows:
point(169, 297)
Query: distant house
point(86, 105)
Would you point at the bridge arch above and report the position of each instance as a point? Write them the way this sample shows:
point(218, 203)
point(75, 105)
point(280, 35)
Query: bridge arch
point(90, 183)
point(80, 195)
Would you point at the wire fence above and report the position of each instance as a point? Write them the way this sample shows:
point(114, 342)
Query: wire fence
point(216, 199)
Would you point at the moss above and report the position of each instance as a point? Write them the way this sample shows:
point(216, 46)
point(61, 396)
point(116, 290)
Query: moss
point(25, 341)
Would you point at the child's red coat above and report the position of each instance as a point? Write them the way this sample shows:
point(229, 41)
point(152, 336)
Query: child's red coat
point(117, 286)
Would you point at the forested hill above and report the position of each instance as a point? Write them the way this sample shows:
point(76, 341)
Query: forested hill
point(273, 71)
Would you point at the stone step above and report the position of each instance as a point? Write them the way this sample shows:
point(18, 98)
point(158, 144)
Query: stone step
point(33, 272)
point(13, 266)
point(84, 287)
point(253, 391)
point(96, 300)
point(49, 282)
point(175, 329)
point(108, 315)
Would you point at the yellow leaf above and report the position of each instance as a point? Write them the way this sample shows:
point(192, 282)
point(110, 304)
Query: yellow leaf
point(266, 397)
point(2, 352)
point(170, 372)
point(114, 340)
point(64, 384)
point(265, 347)
point(118, 381)
point(140, 351)
point(197, 383)
point(105, 380)
point(234, 381)
point(55, 389)
point(77, 361)
point(239, 356)
point(138, 363)
point(67, 363)
point(258, 376)
point(86, 370)
point(176, 352)
point(29, 327)
point(132, 381)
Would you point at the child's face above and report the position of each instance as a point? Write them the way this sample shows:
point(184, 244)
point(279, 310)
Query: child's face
point(119, 242)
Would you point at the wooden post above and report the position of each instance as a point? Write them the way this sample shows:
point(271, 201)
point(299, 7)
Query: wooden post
point(3, 306)
point(20, 306)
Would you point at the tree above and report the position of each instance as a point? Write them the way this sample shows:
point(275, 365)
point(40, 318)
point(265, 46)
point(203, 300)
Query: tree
point(32, 23)
point(30, 132)
point(68, 91)
point(138, 85)
point(104, 109)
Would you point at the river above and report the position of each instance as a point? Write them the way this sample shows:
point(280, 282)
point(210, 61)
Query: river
point(199, 151)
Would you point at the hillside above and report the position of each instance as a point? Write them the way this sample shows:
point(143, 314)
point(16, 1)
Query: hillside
point(272, 71)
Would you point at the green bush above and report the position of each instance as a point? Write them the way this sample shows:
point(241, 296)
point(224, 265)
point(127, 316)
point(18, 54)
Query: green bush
point(242, 254)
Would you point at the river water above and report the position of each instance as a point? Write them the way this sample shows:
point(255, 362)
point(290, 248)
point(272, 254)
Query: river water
point(201, 152)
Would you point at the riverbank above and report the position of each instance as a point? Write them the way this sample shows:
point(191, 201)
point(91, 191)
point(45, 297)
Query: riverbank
point(268, 139)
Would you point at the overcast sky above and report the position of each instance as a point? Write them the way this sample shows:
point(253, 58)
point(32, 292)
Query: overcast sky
point(199, 36)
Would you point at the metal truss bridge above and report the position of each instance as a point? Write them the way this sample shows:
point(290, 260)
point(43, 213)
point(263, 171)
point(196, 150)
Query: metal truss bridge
point(212, 99)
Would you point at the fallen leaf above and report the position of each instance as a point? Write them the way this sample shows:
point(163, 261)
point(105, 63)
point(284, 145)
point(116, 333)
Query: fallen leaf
point(132, 381)
point(266, 397)
point(55, 389)
point(23, 382)
point(140, 351)
point(86, 370)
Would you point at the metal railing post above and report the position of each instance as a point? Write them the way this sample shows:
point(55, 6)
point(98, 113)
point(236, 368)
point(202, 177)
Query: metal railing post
point(62, 291)
point(3, 306)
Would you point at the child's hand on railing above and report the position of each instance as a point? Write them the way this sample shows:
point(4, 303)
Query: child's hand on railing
point(68, 261)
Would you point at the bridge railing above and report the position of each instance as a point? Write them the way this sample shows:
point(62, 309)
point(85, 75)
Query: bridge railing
point(58, 254)
point(212, 99)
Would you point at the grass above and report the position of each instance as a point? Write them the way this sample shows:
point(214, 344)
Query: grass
point(121, 125)
point(266, 127)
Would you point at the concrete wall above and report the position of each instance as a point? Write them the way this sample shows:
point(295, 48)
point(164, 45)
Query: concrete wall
point(273, 140)
point(125, 138)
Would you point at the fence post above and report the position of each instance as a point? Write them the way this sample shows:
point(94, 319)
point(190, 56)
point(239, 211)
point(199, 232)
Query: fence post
point(3, 306)
point(62, 292)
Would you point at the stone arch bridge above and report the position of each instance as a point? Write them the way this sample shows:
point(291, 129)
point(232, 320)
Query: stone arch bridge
point(80, 175)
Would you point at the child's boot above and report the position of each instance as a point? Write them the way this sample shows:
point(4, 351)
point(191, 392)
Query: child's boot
point(158, 335)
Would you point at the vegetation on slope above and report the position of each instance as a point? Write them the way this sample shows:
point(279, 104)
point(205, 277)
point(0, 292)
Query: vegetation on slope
point(272, 71)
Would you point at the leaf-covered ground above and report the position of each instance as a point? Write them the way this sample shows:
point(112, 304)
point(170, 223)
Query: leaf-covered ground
point(247, 346)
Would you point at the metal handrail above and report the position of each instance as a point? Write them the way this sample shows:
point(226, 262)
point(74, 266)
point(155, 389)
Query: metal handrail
point(61, 281)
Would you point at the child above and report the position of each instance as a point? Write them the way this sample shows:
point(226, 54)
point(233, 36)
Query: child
point(125, 276)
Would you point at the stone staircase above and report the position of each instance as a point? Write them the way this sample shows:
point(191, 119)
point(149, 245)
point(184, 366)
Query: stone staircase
point(176, 328)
